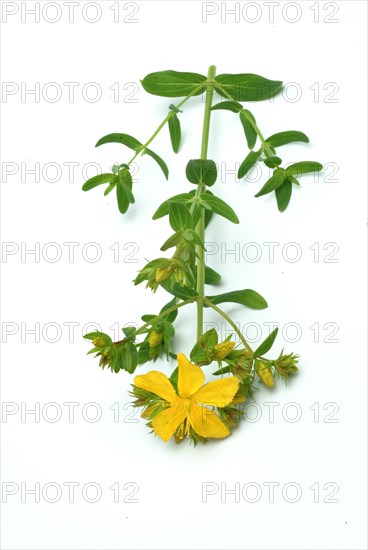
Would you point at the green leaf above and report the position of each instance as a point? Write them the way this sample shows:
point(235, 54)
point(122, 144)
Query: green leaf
point(272, 162)
point(223, 370)
point(129, 358)
point(174, 240)
point(220, 207)
point(174, 378)
point(179, 216)
point(283, 138)
point(173, 83)
point(125, 139)
point(247, 87)
point(175, 132)
point(211, 276)
point(283, 195)
point(303, 168)
point(163, 209)
point(249, 130)
point(124, 190)
point(233, 106)
point(273, 183)
point(97, 180)
point(182, 292)
point(266, 344)
point(173, 315)
point(159, 161)
point(200, 171)
point(109, 188)
point(247, 297)
point(248, 163)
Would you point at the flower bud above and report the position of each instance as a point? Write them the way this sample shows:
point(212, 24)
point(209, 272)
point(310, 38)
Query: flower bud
point(265, 374)
point(155, 338)
point(99, 342)
point(163, 273)
point(222, 350)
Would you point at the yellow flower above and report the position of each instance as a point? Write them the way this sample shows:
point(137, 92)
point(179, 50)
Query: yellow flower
point(265, 374)
point(155, 338)
point(191, 402)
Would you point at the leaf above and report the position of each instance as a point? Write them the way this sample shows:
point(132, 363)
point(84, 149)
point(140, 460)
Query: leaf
point(97, 180)
point(248, 163)
point(163, 209)
point(283, 138)
point(220, 207)
point(182, 292)
point(125, 139)
point(247, 297)
point(283, 195)
point(173, 315)
point(273, 183)
point(124, 190)
point(179, 216)
point(200, 171)
point(129, 358)
point(249, 130)
point(175, 132)
point(173, 83)
point(174, 240)
point(247, 87)
point(303, 168)
point(272, 162)
point(266, 344)
point(233, 106)
point(211, 276)
point(159, 161)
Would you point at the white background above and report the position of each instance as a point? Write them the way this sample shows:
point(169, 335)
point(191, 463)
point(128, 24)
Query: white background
point(321, 47)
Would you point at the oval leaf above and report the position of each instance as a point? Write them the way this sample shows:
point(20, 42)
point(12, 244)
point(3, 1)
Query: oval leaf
point(124, 193)
point(266, 344)
point(201, 171)
point(162, 164)
point(273, 183)
point(283, 195)
point(97, 180)
point(175, 132)
point(163, 209)
point(220, 207)
point(233, 106)
point(247, 87)
point(173, 83)
point(303, 168)
point(247, 297)
point(248, 163)
point(249, 130)
point(125, 139)
point(179, 216)
point(283, 138)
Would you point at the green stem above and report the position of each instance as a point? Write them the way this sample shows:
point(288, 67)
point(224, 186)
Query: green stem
point(200, 190)
point(265, 145)
point(231, 323)
point(165, 313)
point(166, 119)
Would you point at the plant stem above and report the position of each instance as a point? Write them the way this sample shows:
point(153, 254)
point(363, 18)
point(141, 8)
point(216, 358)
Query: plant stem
point(200, 190)
point(166, 119)
point(165, 313)
point(265, 145)
point(231, 322)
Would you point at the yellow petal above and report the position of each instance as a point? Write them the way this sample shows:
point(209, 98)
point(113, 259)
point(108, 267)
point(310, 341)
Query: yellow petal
point(190, 377)
point(167, 422)
point(206, 423)
point(156, 382)
point(218, 393)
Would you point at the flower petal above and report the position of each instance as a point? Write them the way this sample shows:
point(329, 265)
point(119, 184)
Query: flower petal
point(206, 423)
point(218, 393)
point(166, 422)
point(156, 382)
point(190, 377)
